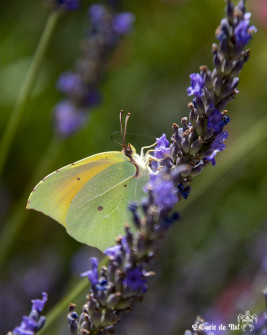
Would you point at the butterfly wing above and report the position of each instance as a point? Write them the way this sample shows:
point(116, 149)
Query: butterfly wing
point(54, 194)
point(98, 212)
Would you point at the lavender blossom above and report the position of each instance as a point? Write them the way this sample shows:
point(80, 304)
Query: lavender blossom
point(164, 192)
point(162, 151)
point(123, 22)
point(216, 121)
point(92, 275)
point(217, 146)
point(32, 323)
point(123, 281)
point(135, 280)
point(63, 5)
point(68, 119)
point(81, 85)
point(197, 84)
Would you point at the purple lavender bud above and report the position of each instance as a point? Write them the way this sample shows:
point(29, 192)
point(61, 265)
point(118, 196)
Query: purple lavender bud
point(33, 323)
point(69, 4)
point(68, 119)
point(92, 275)
point(69, 83)
point(197, 84)
point(113, 251)
point(216, 121)
point(200, 125)
point(200, 104)
point(238, 67)
point(185, 145)
point(135, 280)
point(184, 191)
point(73, 319)
point(102, 284)
point(38, 304)
point(208, 80)
point(217, 63)
point(125, 246)
point(133, 209)
point(226, 119)
point(210, 109)
point(123, 22)
point(97, 14)
point(243, 31)
point(235, 83)
point(113, 300)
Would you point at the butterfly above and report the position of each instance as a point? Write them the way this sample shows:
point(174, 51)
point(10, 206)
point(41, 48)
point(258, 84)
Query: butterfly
point(90, 197)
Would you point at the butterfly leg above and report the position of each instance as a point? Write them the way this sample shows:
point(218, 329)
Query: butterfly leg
point(147, 147)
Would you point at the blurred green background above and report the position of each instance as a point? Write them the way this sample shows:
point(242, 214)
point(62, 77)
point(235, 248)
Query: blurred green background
point(214, 263)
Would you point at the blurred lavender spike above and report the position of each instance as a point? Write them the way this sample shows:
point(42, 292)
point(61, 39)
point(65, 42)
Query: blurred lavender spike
point(63, 5)
point(81, 85)
point(32, 323)
point(194, 145)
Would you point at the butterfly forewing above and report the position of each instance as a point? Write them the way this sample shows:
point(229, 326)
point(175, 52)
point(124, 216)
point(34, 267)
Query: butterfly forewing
point(53, 195)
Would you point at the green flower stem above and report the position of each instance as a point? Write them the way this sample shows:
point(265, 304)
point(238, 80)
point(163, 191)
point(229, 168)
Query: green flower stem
point(27, 87)
point(238, 152)
point(15, 223)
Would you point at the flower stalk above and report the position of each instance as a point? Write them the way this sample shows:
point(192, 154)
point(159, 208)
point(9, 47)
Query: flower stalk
point(27, 87)
point(194, 145)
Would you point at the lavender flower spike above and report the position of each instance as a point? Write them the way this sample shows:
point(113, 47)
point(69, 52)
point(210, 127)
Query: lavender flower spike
point(194, 145)
point(32, 323)
point(81, 85)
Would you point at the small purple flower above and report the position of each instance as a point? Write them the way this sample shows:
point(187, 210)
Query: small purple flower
point(162, 149)
point(226, 119)
point(69, 83)
point(135, 280)
point(33, 323)
point(92, 275)
point(125, 245)
point(217, 146)
point(123, 23)
point(68, 119)
point(69, 4)
point(197, 84)
point(97, 13)
point(164, 192)
point(113, 251)
point(38, 304)
point(102, 284)
point(243, 31)
point(184, 191)
point(216, 121)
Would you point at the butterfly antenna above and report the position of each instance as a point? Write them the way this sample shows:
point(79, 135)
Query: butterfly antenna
point(125, 127)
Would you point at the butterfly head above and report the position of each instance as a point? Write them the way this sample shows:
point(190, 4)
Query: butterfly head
point(128, 150)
